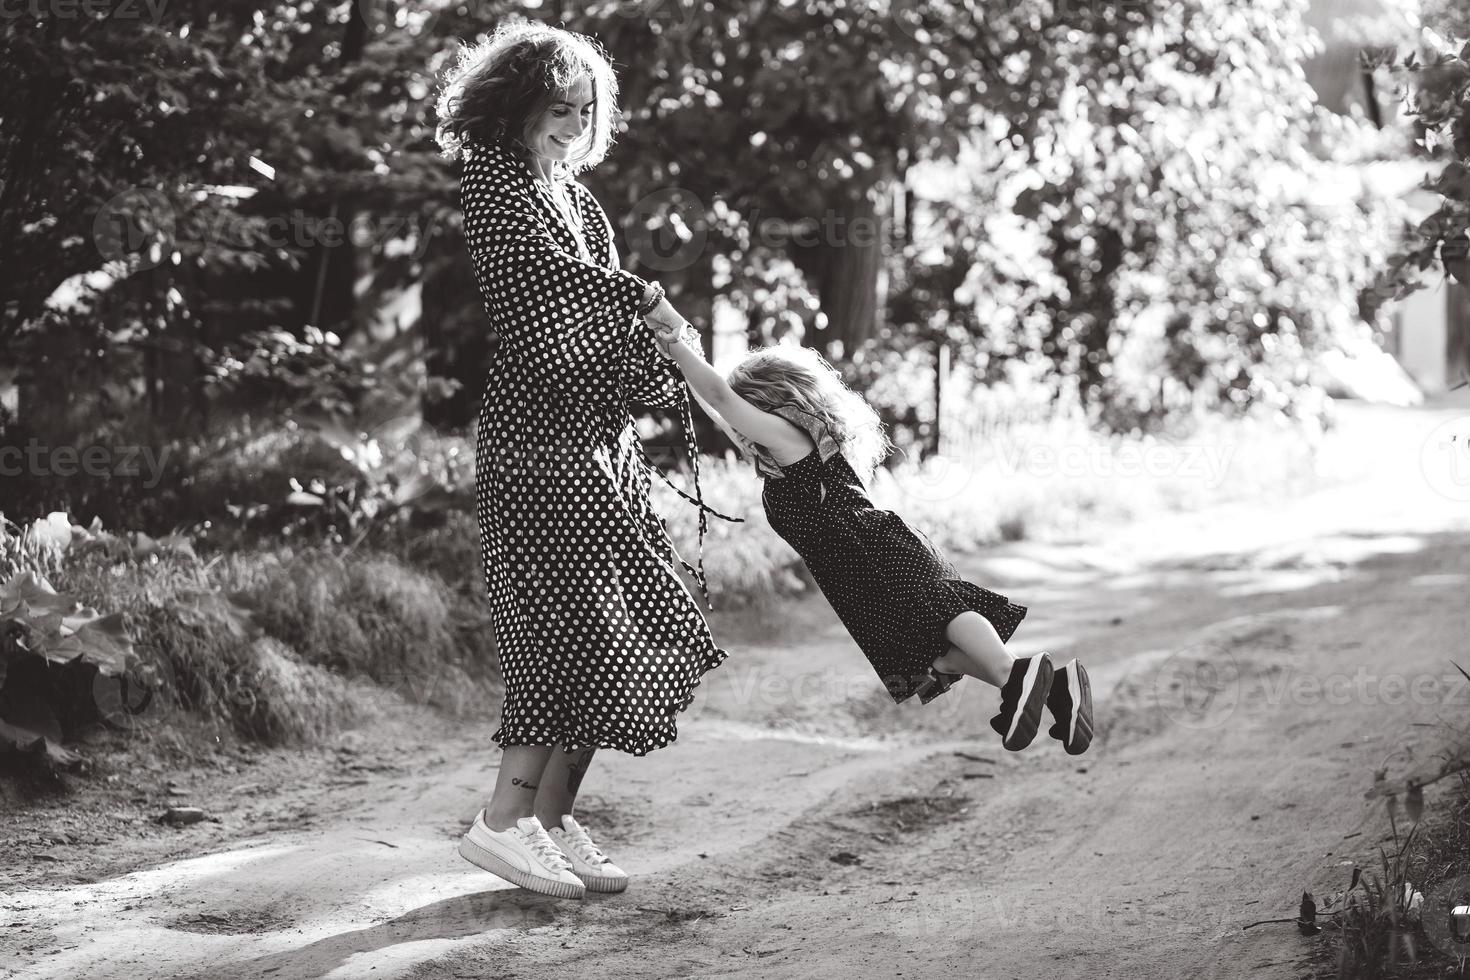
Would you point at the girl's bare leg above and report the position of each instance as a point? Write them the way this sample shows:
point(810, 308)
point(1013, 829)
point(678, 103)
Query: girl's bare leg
point(560, 781)
point(516, 785)
point(976, 650)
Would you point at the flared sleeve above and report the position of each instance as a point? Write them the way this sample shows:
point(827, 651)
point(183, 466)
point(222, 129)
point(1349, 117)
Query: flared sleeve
point(652, 379)
point(576, 321)
point(648, 377)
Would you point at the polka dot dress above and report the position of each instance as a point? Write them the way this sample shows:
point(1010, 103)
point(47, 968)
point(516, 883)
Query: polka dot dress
point(888, 583)
point(600, 642)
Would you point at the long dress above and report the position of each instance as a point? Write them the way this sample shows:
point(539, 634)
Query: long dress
point(601, 644)
point(892, 588)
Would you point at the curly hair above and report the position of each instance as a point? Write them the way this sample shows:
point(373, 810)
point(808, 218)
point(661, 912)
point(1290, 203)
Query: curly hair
point(500, 86)
point(789, 375)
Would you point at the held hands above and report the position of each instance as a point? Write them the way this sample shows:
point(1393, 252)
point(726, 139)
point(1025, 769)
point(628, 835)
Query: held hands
point(661, 318)
point(667, 333)
point(669, 327)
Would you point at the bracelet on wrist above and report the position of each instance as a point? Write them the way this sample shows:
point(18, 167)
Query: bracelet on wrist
point(647, 306)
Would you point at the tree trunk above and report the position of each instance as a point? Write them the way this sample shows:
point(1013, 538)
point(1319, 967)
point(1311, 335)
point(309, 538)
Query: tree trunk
point(334, 304)
point(1457, 339)
point(845, 264)
point(454, 348)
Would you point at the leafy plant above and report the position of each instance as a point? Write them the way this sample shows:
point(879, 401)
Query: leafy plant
point(1435, 83)
point(56, 657)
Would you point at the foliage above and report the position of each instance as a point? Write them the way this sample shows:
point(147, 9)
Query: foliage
point(216, 661)
point(279, 646)
point(1037, 473)
point(1140, 229)
point(1449, 18)
point(63, 665)
point(1435, 81)
point(1379, 913)
point(373, 617)
point(744, 563)
point(392, 481)
point(196, 211)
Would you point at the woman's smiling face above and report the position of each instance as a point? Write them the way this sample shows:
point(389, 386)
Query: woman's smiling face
point(567, 121)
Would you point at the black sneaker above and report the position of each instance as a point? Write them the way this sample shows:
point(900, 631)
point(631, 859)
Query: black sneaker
point(1021, 701)
point(1070, 702)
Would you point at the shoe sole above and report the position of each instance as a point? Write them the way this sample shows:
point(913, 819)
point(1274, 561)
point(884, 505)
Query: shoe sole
point(498, 866)
point(1079, 724)
point(1034, 690)
point(603, 886)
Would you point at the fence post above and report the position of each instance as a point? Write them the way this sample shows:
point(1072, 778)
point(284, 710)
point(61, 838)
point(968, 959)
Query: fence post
point(941, 378)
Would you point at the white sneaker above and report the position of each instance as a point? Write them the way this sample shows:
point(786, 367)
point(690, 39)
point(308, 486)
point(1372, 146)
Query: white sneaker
point(588, 861)
point(523, 855)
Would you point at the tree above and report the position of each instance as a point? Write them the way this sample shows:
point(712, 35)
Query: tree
point(1159, 155)
point(1126, 136)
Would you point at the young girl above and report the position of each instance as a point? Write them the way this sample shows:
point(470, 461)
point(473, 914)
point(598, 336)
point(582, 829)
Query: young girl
point(918, 623)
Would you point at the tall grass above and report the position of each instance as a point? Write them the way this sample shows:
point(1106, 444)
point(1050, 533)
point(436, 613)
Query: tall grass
point(371, 615)
point(1015, 473)
point(287, 644)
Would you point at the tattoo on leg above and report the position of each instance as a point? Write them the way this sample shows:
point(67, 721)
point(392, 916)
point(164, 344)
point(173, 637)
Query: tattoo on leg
point(516, 781)
point(576, 769)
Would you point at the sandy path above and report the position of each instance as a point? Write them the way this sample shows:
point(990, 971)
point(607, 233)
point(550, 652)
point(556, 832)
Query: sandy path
point(1192, 814)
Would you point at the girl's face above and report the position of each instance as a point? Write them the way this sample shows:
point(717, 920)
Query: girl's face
point(567, 121)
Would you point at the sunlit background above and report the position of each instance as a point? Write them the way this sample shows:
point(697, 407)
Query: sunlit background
point(1094, 263)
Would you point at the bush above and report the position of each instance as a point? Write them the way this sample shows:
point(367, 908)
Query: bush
point(372, 616)
point(280, 646)
point(744, 563)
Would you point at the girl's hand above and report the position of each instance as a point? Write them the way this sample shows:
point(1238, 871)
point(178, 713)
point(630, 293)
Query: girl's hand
point(665, 336)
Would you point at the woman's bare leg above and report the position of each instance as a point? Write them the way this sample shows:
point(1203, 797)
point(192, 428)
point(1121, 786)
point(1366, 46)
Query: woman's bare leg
point(516, 785)
point(976, 650)
point(560, 781)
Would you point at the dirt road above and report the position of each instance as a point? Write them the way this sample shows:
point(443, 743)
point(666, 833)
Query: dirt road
point(1252, 666)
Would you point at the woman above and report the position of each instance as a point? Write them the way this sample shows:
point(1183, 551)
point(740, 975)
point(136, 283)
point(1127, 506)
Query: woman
point(600, 643)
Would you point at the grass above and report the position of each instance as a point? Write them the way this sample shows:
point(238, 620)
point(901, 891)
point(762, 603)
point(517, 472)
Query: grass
point(1012, 477)
point(1391, 920)
point(286, 645)
point(283, 640)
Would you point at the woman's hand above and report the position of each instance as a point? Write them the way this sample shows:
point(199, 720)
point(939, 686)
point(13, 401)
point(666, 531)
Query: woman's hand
point(664, 338)
point(667, 333)
point(664, 313)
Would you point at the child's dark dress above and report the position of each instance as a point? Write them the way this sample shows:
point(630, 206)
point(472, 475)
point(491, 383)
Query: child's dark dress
point(891, 587)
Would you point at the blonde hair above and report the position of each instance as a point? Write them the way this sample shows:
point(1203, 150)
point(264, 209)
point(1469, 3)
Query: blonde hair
point(499, 87)
point(786, 375)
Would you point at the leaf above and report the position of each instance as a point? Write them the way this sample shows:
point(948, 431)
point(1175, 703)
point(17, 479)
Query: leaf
point(33, 716)
point(16, 739)
point(32, 592)
point(178, 544)
point(106, 646)
point(54, 531)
